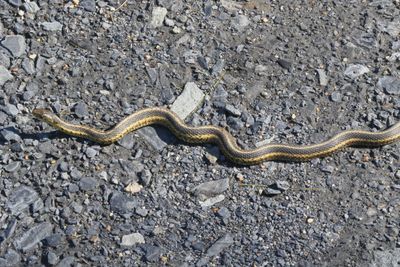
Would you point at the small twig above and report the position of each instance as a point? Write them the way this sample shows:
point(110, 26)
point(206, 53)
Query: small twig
point(118, 8)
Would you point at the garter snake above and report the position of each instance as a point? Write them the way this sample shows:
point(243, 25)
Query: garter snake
point(221, 137)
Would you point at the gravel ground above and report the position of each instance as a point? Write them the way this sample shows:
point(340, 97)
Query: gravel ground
point(282, 71)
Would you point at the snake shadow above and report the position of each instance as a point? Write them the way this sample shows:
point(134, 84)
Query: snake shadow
point(13, 135)
point(158, 139)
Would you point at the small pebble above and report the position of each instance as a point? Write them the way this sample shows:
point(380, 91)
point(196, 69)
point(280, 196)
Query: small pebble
point(356, 70)
point(132, 239)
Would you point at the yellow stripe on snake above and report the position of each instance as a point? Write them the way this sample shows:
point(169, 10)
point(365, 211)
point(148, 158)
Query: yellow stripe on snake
point(220, 137)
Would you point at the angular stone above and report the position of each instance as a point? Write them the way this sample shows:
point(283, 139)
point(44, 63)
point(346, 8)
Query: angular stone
point(80, 110)
point(355, 70)
point(232, 110)
point(15, 3)
point(11, 258)
point(88, 5)
point(51, 258)
point(28, 66)
point(390, 84)
point(240, 22)
point(212, 188)
point(153, 253)
point(51, 26)
point(132, 239)
point(88, 184)
point(188, 101)
point(10, 109)
point(13, 166)
point(20, 200)
point(9, 135)
point(5, 75)
point(220, 245)
point(158, 16)
point(33, 236)
point(122, 204)
point(31, 7)
point(211, 201)
point(323, 78)
point(15, 44)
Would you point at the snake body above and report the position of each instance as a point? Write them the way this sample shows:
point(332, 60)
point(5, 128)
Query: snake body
point(221, 137)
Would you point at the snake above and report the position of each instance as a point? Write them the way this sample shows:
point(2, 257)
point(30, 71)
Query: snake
point(220, 136)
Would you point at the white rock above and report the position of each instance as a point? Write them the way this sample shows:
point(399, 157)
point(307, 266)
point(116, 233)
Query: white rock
point(132, 239)
point(158, 16)
point(355, 70)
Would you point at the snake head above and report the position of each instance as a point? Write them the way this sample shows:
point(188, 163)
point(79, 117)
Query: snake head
point(45, 115)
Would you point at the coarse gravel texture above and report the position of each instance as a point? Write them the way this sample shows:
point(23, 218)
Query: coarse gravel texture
point(281, 71)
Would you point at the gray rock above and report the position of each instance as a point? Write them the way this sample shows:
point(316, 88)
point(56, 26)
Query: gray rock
point(223, 212)
point(261, 69)
point(9, 135)
point(54, 240)
point(188, 101)
point(13, 166)
point(232, 110)
point(145, 177)
point(390, 27)
point(218, 67)
point(211, 201)
point(91, 152)
point(282, 185)
point(212, 188)
point(157, 16)
point(4, 59)
point(33, 236)
point(220, 94)
point(5, 75)
point(132, 239)
point(221, 244)
point(31, 7)
point(30, 91)
point(15, 3)
point(21, 199)
point(51, 26)
point(76, 174)
point(323, 78)
point(40, 62)
point(3, 118)
point(28, 66)
point(355, 70)
point(128, 141)
point(285, 64)
point(336, 97)
point(122, 204)
point(10, 109)
point(240, 22)
point(51, 258)
point(73, 188)
point(88, 184)
point(272, 192)
point(152, 253)
point(15, 44)
point(390, 84)
point(11, 259)
point(88, 5)
point(67, 262)
point(327, 168)
point(388, 258)
point(80, 110)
